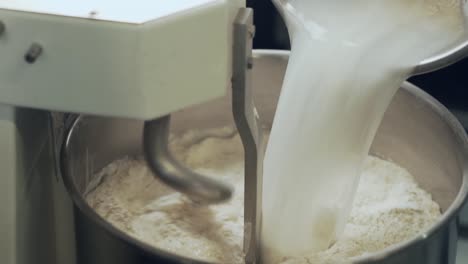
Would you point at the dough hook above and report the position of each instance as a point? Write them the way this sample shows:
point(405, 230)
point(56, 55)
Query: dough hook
point(206, 190)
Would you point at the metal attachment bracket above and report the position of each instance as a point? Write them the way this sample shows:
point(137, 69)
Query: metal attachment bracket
point(251, 133)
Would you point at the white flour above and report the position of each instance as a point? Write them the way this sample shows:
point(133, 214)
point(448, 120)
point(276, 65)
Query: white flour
point(389, 206)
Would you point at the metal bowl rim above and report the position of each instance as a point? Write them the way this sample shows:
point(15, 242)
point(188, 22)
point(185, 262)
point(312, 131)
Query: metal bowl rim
point(448, 215)
point(83, 206)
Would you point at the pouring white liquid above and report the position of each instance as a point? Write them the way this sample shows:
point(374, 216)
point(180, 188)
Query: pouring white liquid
point(348, 59)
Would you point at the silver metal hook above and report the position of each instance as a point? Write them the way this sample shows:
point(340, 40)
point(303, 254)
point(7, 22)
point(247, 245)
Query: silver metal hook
point(199, 188)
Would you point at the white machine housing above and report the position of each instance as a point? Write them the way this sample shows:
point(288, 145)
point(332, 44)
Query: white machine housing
point(137, 59)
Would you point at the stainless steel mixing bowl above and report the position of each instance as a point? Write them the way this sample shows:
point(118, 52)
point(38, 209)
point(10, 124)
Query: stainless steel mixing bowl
point(417, 132)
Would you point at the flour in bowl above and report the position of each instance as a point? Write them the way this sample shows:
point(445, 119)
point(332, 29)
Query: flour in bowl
point(389, 206)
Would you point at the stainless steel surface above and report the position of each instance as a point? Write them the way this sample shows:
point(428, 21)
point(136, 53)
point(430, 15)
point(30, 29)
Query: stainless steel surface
point(462, 116)
point(98, 242)
point(59, 125)
point(251, 133)
point(30, 223)
point(436, 62)
point(443, 60)
point(199, 188)
point(462, 256)
point(417, 132)
point(464, 221)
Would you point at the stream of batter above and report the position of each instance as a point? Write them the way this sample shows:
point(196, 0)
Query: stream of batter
point(348, 58)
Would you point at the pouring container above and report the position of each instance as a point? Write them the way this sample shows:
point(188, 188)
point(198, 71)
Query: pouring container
point(417, 132)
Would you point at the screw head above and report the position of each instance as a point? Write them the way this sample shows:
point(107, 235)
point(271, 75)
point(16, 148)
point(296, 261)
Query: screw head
point(34, 51)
